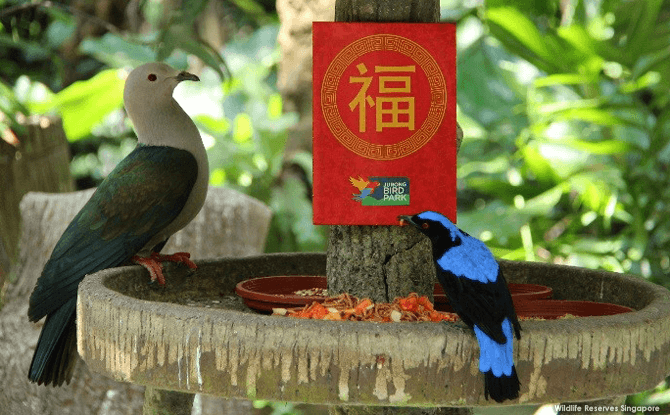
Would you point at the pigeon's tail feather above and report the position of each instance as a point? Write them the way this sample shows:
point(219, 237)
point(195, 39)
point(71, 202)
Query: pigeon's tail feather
point(55, 355)
point(503, 387)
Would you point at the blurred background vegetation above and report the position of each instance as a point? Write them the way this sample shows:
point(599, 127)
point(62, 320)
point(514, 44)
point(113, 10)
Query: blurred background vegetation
point(564, 105)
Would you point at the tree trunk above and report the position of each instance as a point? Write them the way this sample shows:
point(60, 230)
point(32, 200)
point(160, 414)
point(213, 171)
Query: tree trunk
point(379, 262)
point(39, 161)
point(383, 262)
point(408, 11)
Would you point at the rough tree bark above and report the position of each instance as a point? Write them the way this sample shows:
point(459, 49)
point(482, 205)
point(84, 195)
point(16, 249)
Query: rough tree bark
point(39, 161)
point(383, 262)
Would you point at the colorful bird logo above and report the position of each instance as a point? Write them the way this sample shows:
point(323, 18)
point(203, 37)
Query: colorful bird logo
point(364, 186)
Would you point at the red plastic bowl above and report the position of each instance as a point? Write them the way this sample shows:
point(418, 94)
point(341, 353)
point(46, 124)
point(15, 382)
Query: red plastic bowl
point(553, 309)
point(266, 293)
point(527, 292)
point(530, 300)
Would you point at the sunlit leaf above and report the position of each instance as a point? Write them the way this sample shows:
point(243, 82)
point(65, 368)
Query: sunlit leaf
point(596, 116)
point(518, 254)
point(579, 38)
point(243, 129)
point(274, 106)
point(648, 80)
point(520, 35)
point(538, 165)
point(214, 126)
point(567, 105)
point(564, 79)
point(598, 147)
point(84, 104)
point(594, 192)
point(217, 177)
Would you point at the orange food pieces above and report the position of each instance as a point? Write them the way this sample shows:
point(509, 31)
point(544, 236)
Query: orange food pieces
point(415, 304)
point(347, 307)
point(362, 306)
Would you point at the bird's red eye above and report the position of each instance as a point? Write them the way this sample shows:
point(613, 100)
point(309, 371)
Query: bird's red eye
point(152, 77)
point(425, 225)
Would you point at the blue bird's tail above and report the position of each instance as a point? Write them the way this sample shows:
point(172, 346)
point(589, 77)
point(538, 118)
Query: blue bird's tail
point(496, 362)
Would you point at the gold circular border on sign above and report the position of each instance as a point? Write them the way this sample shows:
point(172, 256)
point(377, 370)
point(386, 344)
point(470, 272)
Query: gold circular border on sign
point(358, 48)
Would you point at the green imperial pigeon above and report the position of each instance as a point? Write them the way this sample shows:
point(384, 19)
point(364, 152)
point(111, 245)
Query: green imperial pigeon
point(151, 194)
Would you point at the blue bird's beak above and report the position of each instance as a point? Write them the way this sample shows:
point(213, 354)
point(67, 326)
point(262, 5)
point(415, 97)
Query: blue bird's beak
point(186, 76)
point(405, 220)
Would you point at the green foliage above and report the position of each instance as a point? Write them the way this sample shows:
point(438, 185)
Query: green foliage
point(250, 136)
point(659, 396)
point(580, 108)
point(238, 108)
point(566, 123)
point(80, 105)
point(10, 107)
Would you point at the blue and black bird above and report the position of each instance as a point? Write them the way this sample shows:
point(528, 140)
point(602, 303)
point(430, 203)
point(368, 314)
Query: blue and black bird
point(478, 293)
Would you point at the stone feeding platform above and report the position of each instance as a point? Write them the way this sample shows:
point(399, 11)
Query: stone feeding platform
point(196, 336)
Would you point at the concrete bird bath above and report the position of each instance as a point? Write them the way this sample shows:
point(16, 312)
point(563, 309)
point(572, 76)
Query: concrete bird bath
point(194, 335)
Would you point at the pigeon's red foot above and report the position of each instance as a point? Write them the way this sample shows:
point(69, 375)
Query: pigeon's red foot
point(153, 264)
point(178, 257)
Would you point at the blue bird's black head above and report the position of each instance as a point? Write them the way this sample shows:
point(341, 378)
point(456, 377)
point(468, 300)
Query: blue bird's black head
point(435, 226)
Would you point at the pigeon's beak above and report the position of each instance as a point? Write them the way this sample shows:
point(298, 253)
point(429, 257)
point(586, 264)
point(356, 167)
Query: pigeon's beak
point(404, 220)
point(185, 76)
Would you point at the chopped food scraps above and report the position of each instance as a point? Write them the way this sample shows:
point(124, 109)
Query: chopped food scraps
point(312, 291)
point(347, 307)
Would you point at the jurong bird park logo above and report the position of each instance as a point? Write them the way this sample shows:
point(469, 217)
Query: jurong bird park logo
point(377, 110)
point(381, 191)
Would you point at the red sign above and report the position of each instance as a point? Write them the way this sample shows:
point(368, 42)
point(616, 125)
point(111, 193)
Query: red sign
point(384, 121)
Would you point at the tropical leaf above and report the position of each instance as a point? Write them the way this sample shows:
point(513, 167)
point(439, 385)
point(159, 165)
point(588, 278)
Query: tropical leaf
point(538, 165)
point(84, 104)
point(520, 35)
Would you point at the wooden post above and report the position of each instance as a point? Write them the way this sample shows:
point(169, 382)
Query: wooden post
point(382, 262)
point(40, 161)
